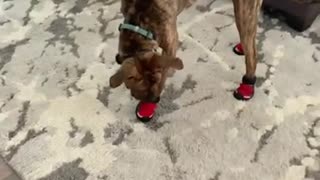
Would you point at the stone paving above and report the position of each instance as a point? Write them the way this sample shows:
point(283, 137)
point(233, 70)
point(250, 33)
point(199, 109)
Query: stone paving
point(59, 119)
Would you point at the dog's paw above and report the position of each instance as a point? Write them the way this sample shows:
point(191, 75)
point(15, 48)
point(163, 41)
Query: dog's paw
point(245, 91)
point(238, 49)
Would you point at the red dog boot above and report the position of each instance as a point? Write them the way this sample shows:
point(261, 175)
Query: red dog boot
point(145, 111)
point(237, 49)
point(246, 89)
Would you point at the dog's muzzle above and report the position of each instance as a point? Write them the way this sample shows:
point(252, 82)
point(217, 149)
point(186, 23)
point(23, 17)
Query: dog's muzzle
point(153, 99)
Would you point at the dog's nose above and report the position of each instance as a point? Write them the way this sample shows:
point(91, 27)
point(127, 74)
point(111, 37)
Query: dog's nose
point(154, 99)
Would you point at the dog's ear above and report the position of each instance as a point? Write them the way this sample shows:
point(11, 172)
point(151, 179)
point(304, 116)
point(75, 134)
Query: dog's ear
point(127, 72)
point(117, 79)
point(170, 62)
point(176, 63)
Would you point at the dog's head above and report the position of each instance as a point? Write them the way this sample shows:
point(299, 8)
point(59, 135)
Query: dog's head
point(144, 75)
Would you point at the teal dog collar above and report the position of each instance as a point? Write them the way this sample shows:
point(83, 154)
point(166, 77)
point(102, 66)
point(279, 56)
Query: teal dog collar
point(137, 29)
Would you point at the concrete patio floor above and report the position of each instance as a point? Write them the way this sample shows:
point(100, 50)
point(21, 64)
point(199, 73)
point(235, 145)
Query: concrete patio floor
point(59, 119)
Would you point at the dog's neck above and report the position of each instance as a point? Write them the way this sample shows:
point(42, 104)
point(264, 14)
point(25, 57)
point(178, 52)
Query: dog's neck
point(140, 13)
point(132, 44)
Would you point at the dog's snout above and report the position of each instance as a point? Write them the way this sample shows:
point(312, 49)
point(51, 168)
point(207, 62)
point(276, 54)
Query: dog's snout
point(153, 98)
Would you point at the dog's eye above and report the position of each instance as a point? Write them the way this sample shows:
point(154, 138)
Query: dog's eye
point(130, 78)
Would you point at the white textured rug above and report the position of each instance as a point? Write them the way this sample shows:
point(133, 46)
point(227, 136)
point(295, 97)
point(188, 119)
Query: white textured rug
point(59, 120)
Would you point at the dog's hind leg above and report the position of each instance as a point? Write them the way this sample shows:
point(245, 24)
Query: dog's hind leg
point(246, 15)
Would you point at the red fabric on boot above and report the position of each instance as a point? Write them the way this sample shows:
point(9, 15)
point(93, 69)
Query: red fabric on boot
point(244, 92)
point(145, 111)
point(238, 49)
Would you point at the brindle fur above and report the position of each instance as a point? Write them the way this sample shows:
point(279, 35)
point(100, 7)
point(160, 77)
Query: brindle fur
point(144, 71)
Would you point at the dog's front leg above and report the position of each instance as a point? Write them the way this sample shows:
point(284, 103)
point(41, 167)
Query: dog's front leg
point(246, 15)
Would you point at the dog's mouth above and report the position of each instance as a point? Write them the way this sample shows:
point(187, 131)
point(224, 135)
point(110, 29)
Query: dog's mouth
point(154, 99)
point(141, 96)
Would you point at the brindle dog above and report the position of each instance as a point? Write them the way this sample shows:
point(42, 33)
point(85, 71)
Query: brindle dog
point(143, 70)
